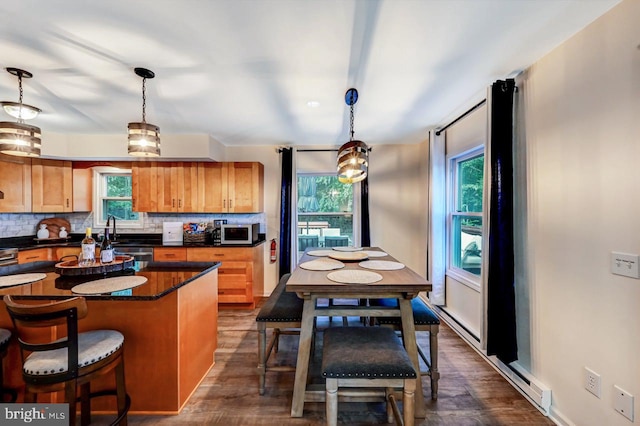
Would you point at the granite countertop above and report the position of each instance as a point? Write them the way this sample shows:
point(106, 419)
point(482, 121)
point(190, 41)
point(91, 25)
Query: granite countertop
point(162, 279)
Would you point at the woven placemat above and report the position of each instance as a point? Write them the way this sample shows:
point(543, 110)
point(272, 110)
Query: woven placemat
point(109, 285)
point(381, 265)
point(319, 252)
point(322, 265)
point(18, 279)
point(346, 248)
point(376, 253)
point(354, 276)
point(349, 255)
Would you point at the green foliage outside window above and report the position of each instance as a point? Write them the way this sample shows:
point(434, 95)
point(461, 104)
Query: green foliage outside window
point(117, 201)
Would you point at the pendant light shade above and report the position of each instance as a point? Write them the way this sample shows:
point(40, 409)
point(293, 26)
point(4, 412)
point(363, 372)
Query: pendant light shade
point(144, 138)
point(353, 156)
point(18, 138)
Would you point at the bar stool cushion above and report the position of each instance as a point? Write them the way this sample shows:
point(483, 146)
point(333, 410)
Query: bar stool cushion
point(93, 346)
point(364, 352)
point(422, 315)
point(5, 335)
point(282, 305)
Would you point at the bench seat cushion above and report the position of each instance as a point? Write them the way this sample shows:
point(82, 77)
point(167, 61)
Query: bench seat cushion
point(422, 314)
point(281, 306)
point(364, 352)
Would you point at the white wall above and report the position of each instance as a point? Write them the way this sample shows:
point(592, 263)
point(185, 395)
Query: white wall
point(582, 130)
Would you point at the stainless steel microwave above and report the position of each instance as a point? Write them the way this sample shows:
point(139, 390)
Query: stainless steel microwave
point(239, 233)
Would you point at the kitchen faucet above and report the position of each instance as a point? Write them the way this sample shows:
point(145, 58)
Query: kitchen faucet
point(113, 234)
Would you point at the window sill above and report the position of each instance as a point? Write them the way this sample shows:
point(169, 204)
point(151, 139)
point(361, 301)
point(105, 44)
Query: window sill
point(471, 281)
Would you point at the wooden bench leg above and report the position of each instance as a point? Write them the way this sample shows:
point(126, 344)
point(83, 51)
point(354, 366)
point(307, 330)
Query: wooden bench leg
point(408, 401)
point(262, 357)
point(433, 368)
point(331, 402)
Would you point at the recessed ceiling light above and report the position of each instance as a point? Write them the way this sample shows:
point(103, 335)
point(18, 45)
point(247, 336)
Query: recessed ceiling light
point(313, 104)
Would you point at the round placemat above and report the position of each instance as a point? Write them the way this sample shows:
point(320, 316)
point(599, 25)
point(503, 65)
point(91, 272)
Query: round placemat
point(375, 253)
point(9, 280)
point(319, 252)
point(381, 265)
point(348, 255)
point(109, 285)
point(322, 265)
point(354, 276)
point(346, 248)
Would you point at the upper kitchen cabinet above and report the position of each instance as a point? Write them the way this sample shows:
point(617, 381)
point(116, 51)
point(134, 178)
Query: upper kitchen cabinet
point(82, 190)
point(231, 187)
point(51, 186)
point(15, 183)
point(144, 186)
point(178, 187)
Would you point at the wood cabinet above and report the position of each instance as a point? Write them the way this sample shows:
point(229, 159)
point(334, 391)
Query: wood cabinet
point(15, 183)
point(144, 186)
point(61, 252)
point(231, 187)
point(82, 183)
point(34, 255)
point(170, 254)
point(240, 275)
point(51, 186)
point(198, 187)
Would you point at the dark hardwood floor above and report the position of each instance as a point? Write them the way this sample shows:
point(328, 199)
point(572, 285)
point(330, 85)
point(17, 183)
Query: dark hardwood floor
point(470, 393)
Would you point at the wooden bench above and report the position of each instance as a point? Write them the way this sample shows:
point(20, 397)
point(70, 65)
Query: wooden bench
point(283, 313)
point(424, 320)
point(368, 357)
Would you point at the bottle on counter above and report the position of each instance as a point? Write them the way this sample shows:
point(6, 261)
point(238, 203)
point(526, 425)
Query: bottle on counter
point(106, 248)
point(88, 251)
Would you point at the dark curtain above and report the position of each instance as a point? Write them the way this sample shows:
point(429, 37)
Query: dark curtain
point(365, 231)
point(501, 315)
point(285, 211)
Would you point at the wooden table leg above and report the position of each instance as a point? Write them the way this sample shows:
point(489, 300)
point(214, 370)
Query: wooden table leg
point(304, 351)
point(409, 337)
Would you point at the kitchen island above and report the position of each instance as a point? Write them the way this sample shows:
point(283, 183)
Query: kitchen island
point(169, 324)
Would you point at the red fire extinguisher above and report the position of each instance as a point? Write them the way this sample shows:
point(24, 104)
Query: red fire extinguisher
point(273, 251)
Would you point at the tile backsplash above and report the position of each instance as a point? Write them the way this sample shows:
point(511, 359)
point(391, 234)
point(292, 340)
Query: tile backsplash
point(24, 224)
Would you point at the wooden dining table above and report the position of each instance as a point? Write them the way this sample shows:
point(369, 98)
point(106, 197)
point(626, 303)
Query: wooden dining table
point(310, 285)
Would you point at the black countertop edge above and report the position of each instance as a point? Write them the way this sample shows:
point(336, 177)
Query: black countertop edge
point(125, 240)
point(49, 267)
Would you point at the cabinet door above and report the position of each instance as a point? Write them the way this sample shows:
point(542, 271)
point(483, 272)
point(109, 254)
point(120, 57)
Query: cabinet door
point(144, 186)
point(212, 187)
point(35, 255)
point(187, 184)
point(82, 189)
point(15, 183)
point(51, 185)
point(167, 188)
point(246, 188)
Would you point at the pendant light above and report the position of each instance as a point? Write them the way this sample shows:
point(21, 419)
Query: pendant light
point(144, 138)
point(353, 156)
point(18, 138)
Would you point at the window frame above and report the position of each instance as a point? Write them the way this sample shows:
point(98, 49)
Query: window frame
point(453, 161)
point(99, 188)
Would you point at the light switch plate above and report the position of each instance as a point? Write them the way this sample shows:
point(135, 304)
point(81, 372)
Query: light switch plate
point(625, 264)
point(623, 402)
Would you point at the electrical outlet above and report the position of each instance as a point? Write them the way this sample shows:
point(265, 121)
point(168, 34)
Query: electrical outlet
point(592, 381)
point(625, 264)
point(623, 402)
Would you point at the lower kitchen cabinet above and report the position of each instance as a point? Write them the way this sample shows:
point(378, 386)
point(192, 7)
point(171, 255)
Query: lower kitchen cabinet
point(34, 255)
point(240, 275)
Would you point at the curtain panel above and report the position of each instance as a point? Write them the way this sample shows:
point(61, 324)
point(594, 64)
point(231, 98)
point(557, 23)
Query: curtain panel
point(500, 283)
point(286, 218)
point(436, 247)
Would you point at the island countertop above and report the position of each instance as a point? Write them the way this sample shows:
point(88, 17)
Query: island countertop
point(162, 278)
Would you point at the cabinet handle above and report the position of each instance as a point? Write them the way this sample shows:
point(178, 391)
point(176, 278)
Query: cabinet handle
point(230, 204)
point(179, 203)
point(170, 255)
point(67, 202)
point(32, 257)
point(173, 202)
point(224, 203)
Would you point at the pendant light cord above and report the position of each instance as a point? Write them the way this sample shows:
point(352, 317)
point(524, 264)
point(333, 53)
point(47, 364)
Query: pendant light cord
point(144, 99)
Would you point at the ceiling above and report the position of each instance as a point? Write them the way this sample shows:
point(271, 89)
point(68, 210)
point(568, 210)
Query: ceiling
point(245, 71)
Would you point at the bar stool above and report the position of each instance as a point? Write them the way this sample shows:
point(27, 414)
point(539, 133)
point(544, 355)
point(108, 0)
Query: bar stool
point(5, 337)
point(72, 360)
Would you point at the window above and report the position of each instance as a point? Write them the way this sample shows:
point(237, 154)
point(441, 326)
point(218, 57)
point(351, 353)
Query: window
point(465, 214)
point(113, 198)
point(325, 212)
